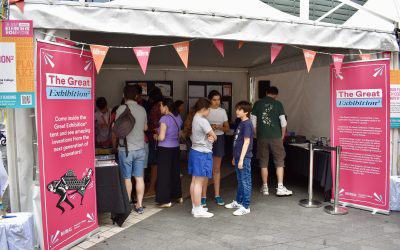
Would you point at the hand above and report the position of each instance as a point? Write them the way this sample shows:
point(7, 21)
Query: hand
point(210, 138)
point(233, 162)
point(155, 137)
point(240, 164)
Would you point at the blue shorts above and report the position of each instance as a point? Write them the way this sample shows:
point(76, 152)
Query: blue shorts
point(219, 146)
point(200, 164)
point(132, 165)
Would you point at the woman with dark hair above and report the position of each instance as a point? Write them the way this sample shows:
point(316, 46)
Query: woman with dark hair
point(168, 180)
point(180, 107)
point(219, 122)
point(200, 156)
point(154, 115)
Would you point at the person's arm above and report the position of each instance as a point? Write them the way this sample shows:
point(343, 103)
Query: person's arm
point(208, 130)
point(225, 127)
point(212, 136)
point(163, 130)
point(245, 147)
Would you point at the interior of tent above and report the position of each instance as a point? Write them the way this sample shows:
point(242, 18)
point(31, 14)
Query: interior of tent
point(304, 95)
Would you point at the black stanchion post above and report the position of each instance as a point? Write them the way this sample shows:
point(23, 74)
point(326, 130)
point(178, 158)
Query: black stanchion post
point(310, 202)
point(335, 209)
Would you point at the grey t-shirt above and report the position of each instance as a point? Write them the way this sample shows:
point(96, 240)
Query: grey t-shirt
point(200, 128)
point(135, 138)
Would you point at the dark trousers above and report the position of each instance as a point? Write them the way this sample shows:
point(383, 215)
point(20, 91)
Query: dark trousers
point(168, 175)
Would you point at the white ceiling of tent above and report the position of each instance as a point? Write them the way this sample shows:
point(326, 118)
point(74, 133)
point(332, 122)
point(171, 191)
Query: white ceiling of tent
point(234, 8)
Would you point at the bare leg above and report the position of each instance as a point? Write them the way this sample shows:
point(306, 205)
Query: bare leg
point(153, 180)
point(217, 174)
point(139, 191)
point(204, 189)
point(279, 174)
point(128, 186)
point(264, 175)
point(191, 190)
point(197, 189)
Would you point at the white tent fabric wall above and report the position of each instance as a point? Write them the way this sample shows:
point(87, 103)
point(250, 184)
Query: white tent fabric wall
point(305, 97)
point(249, 20)
point(115, 76)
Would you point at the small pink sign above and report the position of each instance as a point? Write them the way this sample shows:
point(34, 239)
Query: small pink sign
point(17, 28)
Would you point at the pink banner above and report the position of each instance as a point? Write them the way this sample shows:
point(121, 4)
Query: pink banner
point(275, 50)
point(142, 54)
point(360, 118)
point(17, 28)
point(65, 119)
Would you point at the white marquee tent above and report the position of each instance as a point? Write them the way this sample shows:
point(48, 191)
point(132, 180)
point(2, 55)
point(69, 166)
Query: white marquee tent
point(152, 22)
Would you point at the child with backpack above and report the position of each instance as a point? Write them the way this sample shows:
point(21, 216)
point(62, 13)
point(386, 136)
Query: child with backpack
point(200, 155)
point(242, 153)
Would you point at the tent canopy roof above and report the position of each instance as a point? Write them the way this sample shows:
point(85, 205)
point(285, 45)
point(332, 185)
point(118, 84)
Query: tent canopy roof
point(250, 20)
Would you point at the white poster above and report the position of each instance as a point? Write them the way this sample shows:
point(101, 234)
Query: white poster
point(8, 67)
point(165, 89)
point(214, 87)
point(196, 91)
point(192, 102)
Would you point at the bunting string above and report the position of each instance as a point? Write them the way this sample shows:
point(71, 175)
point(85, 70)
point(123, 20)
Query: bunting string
point(195, 39)
point(142, 53)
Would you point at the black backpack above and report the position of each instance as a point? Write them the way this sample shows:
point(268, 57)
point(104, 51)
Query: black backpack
point(123, 125)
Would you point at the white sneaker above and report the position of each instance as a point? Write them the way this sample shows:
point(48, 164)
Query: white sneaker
point(241, 211)
point(204, 208)
point(233, 204)
point(201, 213)
point(283, 191)
point(264, 190)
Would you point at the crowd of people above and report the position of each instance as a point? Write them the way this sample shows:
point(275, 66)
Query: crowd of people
point(154, 129)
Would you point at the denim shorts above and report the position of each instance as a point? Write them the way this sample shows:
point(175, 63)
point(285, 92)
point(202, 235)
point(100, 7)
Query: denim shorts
point(132, 165)
point(200, 164)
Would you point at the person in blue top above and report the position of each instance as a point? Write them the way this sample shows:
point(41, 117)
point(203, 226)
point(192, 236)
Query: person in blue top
point(242, 153)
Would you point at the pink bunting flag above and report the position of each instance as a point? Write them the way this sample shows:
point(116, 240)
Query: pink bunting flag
point(142, 54)
point(99, 52)
point(309, 56)
point(219, 44)
point(337, 62)
point(365, 57)
point(275, 50)
point(19, 3)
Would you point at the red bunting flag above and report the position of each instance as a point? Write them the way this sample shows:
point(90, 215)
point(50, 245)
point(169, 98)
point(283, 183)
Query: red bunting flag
point(365, 57)
point(182, 49)
point(387, 54)
point(65, 41)
point(337, 62)
point(309, 56)
point(142, 54)
point(99, 52)
point(19, 3)
point(275, 50)
point(241, 43)
point(219, 44)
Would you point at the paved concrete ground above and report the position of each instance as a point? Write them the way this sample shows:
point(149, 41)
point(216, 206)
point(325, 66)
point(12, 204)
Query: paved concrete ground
point(274, 223)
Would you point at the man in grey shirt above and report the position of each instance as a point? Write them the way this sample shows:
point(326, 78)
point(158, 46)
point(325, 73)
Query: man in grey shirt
point(133, 163)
